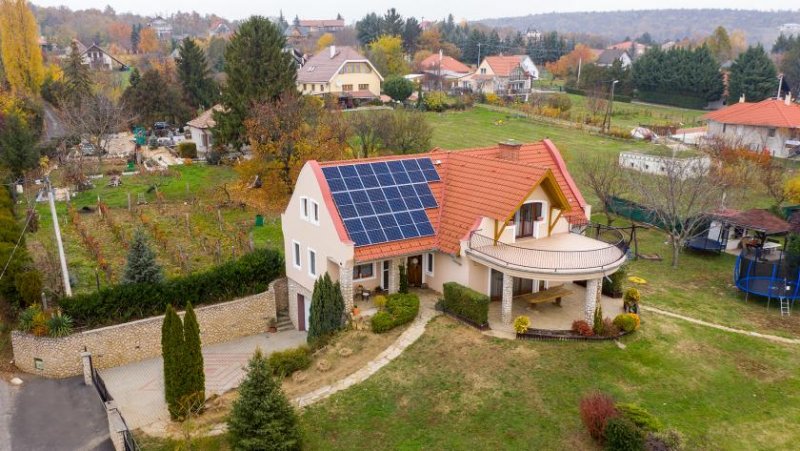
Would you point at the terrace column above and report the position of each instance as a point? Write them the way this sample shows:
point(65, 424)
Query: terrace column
point(590, 301)
point(508, 295)
point(394, 274)
point(346, 283)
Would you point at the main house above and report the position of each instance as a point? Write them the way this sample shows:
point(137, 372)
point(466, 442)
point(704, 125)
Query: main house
point(772, 125)
point(340, 71)
point(505, 75)
point(504, 220)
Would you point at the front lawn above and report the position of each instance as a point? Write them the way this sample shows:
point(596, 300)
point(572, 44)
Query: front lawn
point(457, 389)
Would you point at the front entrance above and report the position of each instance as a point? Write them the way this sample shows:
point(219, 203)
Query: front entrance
point(496, 286)
point(302, 313)
point(522, 286)
point(414, 271)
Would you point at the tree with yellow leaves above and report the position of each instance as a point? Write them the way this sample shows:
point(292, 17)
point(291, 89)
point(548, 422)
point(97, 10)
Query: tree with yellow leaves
point(387, 54)
point(19, 47)
point(148, 41)
point(582, 54)
point(325, 41)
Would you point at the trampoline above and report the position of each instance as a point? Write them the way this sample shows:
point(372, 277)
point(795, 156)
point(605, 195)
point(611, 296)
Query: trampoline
point(773, 278)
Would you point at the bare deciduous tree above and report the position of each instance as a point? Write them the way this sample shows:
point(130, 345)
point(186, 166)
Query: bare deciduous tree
point(95, 118)
point(603, 176)
point(681, 198)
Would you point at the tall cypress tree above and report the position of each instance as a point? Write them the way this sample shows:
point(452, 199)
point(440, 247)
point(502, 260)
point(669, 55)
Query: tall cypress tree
point(327, 308)
point(193, 72)
point(262, 417)
point(172, 345)
point(141, 266)
point(194, 395)
point(316, 315)
point(753, 75)
point(258, 69)
point(77, 77)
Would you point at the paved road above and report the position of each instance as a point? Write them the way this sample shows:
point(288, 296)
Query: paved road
point(55, 414)
point(5, 416)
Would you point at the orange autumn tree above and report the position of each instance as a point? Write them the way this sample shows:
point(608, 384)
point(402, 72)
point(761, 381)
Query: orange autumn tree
point(570, 61)
point(148, 41)
point(286, 133)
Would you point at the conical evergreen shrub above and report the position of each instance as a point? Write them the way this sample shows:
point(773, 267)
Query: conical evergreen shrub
point(172, 345)
point(141, 266)
point(327, 309)
point(194, 396)
point(598, 325)
point(262, 418)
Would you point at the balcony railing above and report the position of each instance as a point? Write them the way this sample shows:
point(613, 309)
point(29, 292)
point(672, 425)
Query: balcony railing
point(556, 260)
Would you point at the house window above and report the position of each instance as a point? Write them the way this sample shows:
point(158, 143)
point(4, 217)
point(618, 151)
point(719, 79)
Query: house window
point(724, 128)
point(363, 87)
point(771, 133)
point(296, 254)
point(305, 87)
point(312, 263)
point(347, 88)
point(321, 88)
point(483, 70)
point(429, 264)
point(313, 87)
point(314, 212)
point(365, 271)
point(304, 208)
point(526, 216)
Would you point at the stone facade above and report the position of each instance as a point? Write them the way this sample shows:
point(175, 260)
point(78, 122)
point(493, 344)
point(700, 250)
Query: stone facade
point(281, 287)
point(346, 283)
point(394, 275)
point(593, 287)
point(138, 340)
point(508, 298)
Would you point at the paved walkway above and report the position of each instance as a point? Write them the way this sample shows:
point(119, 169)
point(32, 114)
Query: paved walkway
point(700, 322)
point(409, 336)
point(138, 388)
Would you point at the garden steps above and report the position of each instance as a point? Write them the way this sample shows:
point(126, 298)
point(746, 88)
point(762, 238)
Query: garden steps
point(284, 322)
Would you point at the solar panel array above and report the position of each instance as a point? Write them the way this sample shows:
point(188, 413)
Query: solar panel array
point(384, 201)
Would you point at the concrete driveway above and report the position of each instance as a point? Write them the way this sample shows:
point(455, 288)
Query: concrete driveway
point(138, 388)
point(52, 414)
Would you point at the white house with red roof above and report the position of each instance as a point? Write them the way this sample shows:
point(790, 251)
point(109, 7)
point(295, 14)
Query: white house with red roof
point(510, 75)
point(342, 72)
point(443, 73)
point(772, 125)
point(506, 220)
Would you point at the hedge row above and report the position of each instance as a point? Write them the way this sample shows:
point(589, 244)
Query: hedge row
point(250, 274)
point(678, 100)
point(617, 97)
point(466, 303)
point(401, 308)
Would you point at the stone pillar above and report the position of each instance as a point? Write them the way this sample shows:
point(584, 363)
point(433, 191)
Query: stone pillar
point(346, 282)
point(394, 274)
point(546, 284)
point(508, 295)
point(590, 300)
point(86, 360)
point(535, 285)
point(116, 426)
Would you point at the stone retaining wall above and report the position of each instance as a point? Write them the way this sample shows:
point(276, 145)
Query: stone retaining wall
point(138, 340)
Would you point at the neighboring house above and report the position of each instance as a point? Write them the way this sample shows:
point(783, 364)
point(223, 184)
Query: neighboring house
point(634, 49)
point(322, 25)
point(504, 220)
point(297, 56)
point(443, 73)
point(200, 128)
point(342, 72)
point(608, 57)
point(790, 29)
point(504, 75)
point(98, 59)
point(221, 30)
point(772, 125)
point(162, 28)
point(687, 164)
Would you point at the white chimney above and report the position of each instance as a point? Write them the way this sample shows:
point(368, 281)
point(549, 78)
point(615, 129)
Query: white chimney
point(788, 98)
point(441, 55)
point(741, 98)
point(333, 51)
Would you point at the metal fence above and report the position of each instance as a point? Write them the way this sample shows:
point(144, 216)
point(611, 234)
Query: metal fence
point(105, 396)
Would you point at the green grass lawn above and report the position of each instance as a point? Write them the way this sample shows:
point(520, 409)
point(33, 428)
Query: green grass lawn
point(630, 115)
point(722, 391)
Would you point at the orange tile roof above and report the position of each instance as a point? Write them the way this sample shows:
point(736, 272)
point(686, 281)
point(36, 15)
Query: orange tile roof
point(767, 113)
point(448, 63)
point(475, 183)
point(502, 65)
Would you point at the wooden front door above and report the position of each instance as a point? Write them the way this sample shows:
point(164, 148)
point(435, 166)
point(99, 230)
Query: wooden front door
point(301, 312)
point(414, 271)
point(496, 286)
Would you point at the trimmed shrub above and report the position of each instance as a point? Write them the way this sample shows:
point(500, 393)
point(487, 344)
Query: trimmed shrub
point(613, 287)
point(172, 344)
point(403, 288)
point(673, 99)
point(622, 435)
point(194, 395)
point(582, 328)
point(187, 149)
point(29, 286)
point(631, 300)
point(609, 328)
point(327, 313)
point(598, 325)
point(521, 324)
point(435, 101)
point(248, 275)
point(643, 419)
point(382, 322)
point(597, 409)
point(284, 363)
point(466, 303)
point(628, 322)
point(379, 302)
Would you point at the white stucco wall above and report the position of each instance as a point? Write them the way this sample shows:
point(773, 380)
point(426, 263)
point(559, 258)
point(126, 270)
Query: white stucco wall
point(757, 138)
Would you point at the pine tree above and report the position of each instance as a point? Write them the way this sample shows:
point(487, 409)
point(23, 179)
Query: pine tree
point(172, 345)
point(194, 395)
point(77, 78)
point(598, 325)
point(198, 86)
point(136, 37)
point(262, 418)
point(753, 75)
point(258, 69)
point(142, 266)
point(327, 309)
point(18, 150)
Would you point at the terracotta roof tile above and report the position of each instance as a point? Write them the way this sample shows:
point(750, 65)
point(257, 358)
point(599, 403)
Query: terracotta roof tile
point(767, 113)
point(502, 65)
point(322, 67)
point(448, 63)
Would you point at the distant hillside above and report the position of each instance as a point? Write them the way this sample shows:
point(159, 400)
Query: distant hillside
point(665, 24)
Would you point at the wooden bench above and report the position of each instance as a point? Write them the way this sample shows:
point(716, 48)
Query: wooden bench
point(551, 294)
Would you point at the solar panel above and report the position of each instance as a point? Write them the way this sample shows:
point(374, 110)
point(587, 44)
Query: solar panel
point(384, 201)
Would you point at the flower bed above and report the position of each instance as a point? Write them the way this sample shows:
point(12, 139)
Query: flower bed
point(562, 335)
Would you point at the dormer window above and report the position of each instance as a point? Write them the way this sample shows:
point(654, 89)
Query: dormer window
point(526, 215)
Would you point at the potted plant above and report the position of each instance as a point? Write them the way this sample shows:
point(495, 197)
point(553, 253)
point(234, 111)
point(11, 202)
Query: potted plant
point(273, 325)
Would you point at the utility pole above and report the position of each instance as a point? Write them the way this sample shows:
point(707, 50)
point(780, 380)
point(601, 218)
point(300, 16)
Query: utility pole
point(57, 230)
point(578, 81)
point(780, 86)
point(479, 54)
point(607, 119)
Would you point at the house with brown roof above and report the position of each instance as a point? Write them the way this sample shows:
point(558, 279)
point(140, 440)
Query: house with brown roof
point(98, 58)
point(342, 72)
point(506, 220)
point(608, 57)
point(772, 125)
point(443, 73)
point(511, 75)
point(200, 128)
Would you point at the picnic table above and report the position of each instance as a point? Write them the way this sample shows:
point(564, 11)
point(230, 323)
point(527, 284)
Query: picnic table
point(551, 294)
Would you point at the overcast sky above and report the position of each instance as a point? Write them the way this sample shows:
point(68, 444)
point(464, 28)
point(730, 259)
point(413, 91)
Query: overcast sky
point(355, 9)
